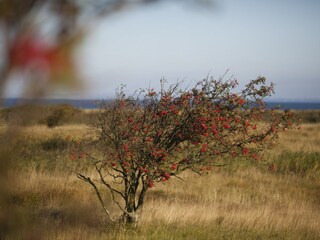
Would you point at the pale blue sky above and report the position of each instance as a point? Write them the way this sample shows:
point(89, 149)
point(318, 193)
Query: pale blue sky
point(279, 39)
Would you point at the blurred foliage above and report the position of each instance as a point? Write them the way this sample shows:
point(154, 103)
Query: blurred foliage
point(39, 38)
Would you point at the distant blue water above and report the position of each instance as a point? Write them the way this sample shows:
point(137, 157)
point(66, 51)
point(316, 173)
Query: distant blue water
point(295, 105)
point(92, 104)
point(78, 103)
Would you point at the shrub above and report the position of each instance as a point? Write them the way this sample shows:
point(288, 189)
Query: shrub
point(23, 115)
point(310, 116)
point(55, 143)
point(154, 136)
point(60, 114)
point(51, 115)
point(299, 163)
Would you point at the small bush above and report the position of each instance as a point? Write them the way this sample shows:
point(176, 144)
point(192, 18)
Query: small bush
point(23, 115)
point(30, 199)
point(309, 116)
point(55, 143)
point(299, 163)
point(55, 119)
point(60, 114)
point(52, 116)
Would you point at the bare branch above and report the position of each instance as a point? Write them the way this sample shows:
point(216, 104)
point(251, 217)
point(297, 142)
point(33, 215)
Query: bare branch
point(112, 191)
point(88, 180)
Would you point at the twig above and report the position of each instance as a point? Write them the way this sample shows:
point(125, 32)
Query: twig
point(88, 180)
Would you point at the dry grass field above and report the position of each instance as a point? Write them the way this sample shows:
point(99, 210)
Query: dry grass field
point(242, 201)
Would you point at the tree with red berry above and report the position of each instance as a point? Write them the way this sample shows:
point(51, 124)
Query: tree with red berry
point(155, 136)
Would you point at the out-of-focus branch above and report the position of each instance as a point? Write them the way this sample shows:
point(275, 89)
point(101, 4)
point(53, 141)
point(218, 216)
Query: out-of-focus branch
point(73, 18)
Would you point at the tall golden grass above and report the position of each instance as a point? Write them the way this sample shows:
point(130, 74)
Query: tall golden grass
point(242, 201)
